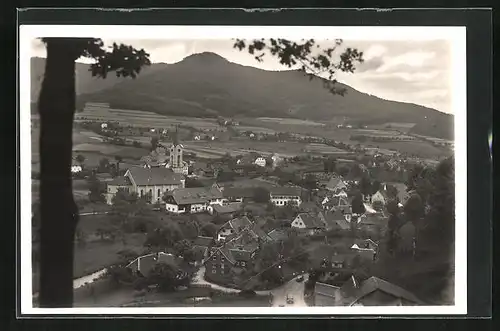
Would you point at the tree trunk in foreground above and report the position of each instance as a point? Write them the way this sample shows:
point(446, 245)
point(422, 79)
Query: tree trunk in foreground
point(59, 213)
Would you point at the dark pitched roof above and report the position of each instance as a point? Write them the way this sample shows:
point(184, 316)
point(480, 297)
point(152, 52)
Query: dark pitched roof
point(193, 195)
point(374, 283)
point(154, 176)
point(238, 224)
point(336, 183)
point(278, 234)
point(120, 181)
point(237, 192)
point(336, 219)
point(325, 289)
point(286, 191)
point(240, 254)
point(226, 209)
point(227, 253)
point(311, 220)
point(261, 234)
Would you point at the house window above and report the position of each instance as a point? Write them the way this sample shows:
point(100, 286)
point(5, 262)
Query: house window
point(159, 193)
point(243, 264)
point(222, 266)
point(142, 193)
point(222, 259)
point(214, 257)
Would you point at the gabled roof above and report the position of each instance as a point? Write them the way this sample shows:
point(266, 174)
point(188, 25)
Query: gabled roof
point(225, 252)
point(336, 218)
point(325, 289)
point(350, 288)
point(336, 183)
point(238, 224)
point(240, 254)
point(154, 176)
point(374, 283)
point(227, 209)
point(286, 191)
point(261, 234)
point(193, 195)
point(311, 221)
point(278, 234)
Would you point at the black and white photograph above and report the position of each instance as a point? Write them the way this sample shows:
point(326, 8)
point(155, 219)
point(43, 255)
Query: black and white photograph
point(230, 169)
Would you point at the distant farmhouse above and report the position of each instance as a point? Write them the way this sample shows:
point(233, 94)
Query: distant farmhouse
point(192, 200)
point(282, 196)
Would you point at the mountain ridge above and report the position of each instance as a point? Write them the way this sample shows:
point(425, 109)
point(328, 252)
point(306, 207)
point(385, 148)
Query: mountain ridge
point(207, 85)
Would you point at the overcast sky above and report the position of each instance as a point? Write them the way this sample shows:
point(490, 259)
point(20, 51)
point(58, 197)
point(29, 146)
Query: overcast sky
point(412, 71)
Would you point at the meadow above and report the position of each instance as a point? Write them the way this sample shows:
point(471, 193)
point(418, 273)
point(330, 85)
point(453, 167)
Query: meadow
point(144, 119)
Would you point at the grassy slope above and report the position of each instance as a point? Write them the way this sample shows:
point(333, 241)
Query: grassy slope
point(204, 85)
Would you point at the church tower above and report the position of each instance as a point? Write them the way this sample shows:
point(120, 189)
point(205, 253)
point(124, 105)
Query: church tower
point(176, 150)
point(176, 162)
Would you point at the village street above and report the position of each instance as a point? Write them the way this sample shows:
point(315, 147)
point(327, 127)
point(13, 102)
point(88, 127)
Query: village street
point(292, 289)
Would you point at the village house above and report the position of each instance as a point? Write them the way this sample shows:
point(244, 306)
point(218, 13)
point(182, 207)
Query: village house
point(233, 258)
point(366, 249)
point(142, 181)
point(372, 224)
point(308, 224)
point(371, 292)
point(233, 228)
point(282, 196)
point(337, 187)
point(381, 196)
point(336, 202)
point(335, 220)
point(76, 169)
point(235, 194)
point(260, 161)
point(228, 210)
point(378, 292)
point(192, 200)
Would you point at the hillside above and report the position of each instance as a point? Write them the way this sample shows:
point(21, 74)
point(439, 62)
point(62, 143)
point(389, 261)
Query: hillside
point(85, 83)
point(206, 85)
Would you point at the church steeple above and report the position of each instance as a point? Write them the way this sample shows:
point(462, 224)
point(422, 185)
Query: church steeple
point(175, 138)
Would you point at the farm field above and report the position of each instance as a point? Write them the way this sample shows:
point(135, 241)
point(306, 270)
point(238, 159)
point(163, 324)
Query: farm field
point(141, 118)
point(324, 149)
point(422, 149)
point(284, 149)
point(288, 121)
